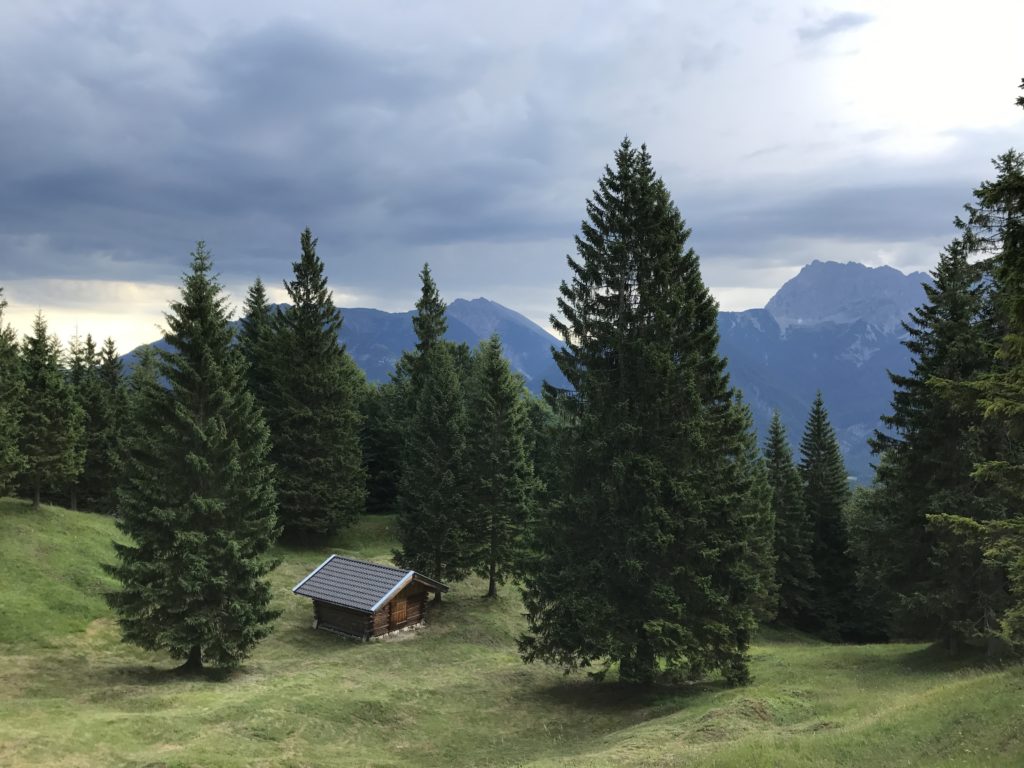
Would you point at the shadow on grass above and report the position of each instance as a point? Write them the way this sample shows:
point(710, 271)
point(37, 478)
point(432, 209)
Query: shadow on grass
point(616, 696)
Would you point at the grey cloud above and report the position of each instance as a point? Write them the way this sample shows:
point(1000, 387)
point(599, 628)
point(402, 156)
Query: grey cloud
point(832, 25)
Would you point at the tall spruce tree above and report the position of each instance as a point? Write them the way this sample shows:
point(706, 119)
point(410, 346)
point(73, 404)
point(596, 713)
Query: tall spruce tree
point(643, 558)
point(826, 492)
point(10, 402)
point(433, 525)
point(254, 340)
point(198, 499)
point(434, 530)
point(501, 487)
point(927, 454)
point(794, 533)
point(383, 438)
point(51, 439)
point(995, 224)
point(93, 399)
point(103, 463)
point(313, 409)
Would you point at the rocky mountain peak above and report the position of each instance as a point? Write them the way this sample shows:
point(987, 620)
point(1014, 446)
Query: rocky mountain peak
point(829, 291)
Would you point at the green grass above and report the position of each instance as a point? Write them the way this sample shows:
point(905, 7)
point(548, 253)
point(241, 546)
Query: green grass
point(453, 694)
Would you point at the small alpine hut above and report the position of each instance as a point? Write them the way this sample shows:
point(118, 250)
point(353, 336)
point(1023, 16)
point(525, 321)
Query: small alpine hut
point(363, 599)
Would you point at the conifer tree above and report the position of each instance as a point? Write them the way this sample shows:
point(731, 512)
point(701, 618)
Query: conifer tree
point(10, 402)
point(501, 482)
point(51, 439)
point(996, 224)
point(794, 533)
point(83, 375)
point(198, 497)
point(926, 459)
point(313, 409)
point(753, 494)
point(255, 342)
point(434, 529)
point(643, 559)
point(102, 464)
point(433, 525)
point(383, 437)
point(826, 492)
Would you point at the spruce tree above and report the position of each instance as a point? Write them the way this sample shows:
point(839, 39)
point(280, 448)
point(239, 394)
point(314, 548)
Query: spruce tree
point(927, 455)
point(10, 402)
point(383, 437)
point(642, 559)
point(434, 529)
point(754, 498)
point(255, 342)
point(826, 492)
point(83, 375)
point(433, 526)
point(313, 408)
point(501, 486)
point(996, 224)
point(51, 439)
point(198, 498)
point(102, 466)
point(794, 533)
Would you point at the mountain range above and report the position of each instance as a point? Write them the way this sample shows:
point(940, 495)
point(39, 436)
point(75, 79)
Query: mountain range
point(833, 327)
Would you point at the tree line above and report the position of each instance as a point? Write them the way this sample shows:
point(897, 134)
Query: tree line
point(647, 530)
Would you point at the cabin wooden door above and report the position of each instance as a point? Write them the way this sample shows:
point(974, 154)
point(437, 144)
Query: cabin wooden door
point(398, 611)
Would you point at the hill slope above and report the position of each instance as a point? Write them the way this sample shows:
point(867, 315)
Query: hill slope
point(454, 694)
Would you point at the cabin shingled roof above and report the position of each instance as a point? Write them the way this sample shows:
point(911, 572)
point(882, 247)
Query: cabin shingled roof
point(357, 584)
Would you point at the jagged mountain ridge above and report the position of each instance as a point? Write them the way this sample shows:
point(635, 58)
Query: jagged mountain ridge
point(834, 327)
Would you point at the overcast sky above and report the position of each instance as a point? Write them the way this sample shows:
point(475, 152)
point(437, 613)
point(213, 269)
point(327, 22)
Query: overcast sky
point(470, 134)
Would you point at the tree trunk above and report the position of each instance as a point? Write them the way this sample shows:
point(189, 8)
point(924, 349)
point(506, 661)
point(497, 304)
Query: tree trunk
point(35, 497)
point(492, 582)
point(194, 663)
point(74, 501)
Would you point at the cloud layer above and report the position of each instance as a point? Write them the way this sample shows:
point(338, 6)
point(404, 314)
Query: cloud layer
point(470, 136)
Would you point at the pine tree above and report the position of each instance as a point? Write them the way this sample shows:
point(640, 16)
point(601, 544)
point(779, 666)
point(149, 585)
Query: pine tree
point(826, 492)
point(198, 498)
point(794, 533)
point(51, 439)
point(10, 402)
point(926, 460)
point(502, 485)
point(643, 556)
point(255, 342)
point(105, 445)
point(433, 530)
point(313, 409)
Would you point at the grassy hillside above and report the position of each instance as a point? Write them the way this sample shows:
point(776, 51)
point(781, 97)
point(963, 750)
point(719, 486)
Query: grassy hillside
point(453, 694)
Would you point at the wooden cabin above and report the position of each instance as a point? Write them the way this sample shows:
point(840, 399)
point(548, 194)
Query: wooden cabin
point(363, 599)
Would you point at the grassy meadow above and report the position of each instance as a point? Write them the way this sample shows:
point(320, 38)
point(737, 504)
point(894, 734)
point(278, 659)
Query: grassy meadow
point(452, 694)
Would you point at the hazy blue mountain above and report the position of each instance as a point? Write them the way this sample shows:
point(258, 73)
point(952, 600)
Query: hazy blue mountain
point(833, 327)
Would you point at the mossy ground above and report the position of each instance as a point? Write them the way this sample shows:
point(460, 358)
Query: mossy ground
point(453, 694)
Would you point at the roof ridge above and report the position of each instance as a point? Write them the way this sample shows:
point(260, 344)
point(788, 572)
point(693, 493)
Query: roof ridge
point(370, 562)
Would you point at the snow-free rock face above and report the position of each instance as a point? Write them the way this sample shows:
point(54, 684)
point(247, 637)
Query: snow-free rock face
point(833, 327)
point(827, 291)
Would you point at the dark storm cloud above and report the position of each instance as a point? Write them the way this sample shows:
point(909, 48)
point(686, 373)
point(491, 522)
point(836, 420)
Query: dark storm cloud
point(832, 25)
point(454, 133)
